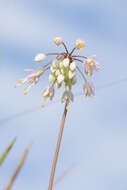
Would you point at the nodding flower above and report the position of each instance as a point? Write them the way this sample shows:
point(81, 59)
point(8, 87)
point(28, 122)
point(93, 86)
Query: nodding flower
point(31, 79)
point(67, 96)
point(89, 89)
point(62, 71)
point(91, 65)
point(48, 92)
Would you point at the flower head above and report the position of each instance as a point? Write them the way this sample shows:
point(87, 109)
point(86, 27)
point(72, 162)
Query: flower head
point(39, 57)
point(62, 72)
point(58, 41)
point(80, 44)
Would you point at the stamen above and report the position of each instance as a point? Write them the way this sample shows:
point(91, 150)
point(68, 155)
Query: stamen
point(67, 107)
point(42, 105)
point(25, 87)
point(25, 92)
point(92, 96)
point(91, 63)
point(29, 81)
point(89, 74)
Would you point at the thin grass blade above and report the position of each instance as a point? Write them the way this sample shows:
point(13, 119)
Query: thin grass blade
point(4, 155)
point(20, 164)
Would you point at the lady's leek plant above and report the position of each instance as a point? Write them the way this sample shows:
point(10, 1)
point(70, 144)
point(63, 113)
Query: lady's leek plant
point(62, 71)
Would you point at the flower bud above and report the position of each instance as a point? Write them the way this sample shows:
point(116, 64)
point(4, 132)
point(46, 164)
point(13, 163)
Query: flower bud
point(72, 66)
point(60, 78)
point(66, 62)
point(71, 74)
point(40, 57)
point(58, 41)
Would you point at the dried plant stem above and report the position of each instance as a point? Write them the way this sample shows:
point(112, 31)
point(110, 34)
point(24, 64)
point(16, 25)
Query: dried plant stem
point(21, 162)
point(57, 148)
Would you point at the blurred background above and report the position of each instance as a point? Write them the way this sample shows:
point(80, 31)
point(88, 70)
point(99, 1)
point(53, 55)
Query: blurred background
point(95, 135)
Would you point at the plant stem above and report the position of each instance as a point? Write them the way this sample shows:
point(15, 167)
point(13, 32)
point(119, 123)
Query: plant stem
point(73, 50)
point(58, 147)
point(65, 47)
point(80, 56)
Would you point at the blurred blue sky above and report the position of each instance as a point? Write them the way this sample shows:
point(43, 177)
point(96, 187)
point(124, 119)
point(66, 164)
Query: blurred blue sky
point(95, 136)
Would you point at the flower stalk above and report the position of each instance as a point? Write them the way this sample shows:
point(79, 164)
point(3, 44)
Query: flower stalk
point(58, 147)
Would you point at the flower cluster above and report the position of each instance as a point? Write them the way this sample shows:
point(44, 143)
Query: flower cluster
point(62, 71)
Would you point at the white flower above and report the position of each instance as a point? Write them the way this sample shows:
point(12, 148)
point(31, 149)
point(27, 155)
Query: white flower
point(58, 41)
point(60, 78)
point(90, 65)
point(67, 96)
point(72, 66)
point(48, 92)
point(32, 79)
point(71, 74)
point(89, 89)
point(51, 78)
point(66, 62)
point(39, 57)
point(80, 44)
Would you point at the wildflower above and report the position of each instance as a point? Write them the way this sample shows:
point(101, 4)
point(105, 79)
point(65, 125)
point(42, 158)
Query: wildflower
point(49, 92)
point(39, 57)
point(32, 79)
point(62, 71)
point(91, 65)
point(89, 89)
point(58, 41)
point(80, 44)
point(67, 96)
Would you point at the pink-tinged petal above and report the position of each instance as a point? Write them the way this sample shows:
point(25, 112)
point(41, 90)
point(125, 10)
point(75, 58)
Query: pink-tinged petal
point(92, 56)
point(67, 96)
